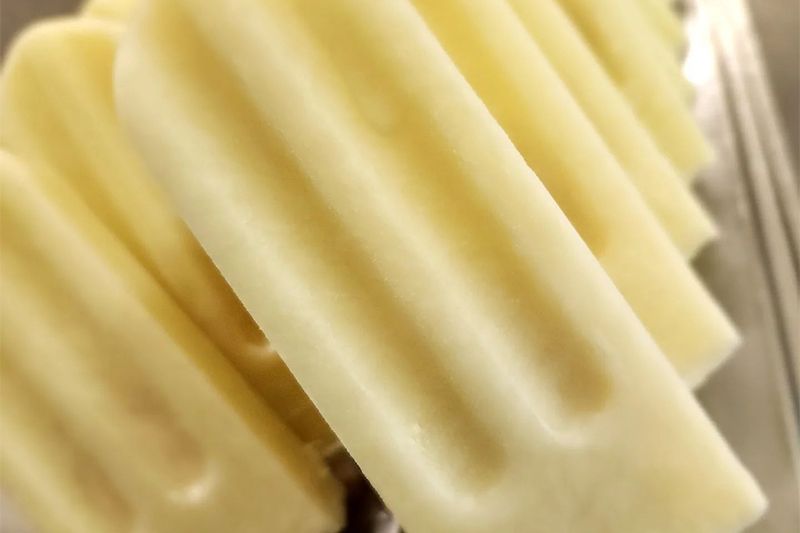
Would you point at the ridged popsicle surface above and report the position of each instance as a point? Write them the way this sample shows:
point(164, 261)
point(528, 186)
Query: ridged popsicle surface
point(664, 190)
point(416, 276)
point(117, 411)
point(58, 113)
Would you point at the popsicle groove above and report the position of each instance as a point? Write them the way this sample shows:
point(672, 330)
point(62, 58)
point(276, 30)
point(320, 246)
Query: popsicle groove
point(659, 183)
point(125, 389)
point(27, 413)
point(459, 29)
point(629, 58)
point(354, 270)
point(56, 299)
point(581, 386)
point(416, 144)
point(89, 89)
point(109, 451)
point(42, 100)
point(585, 179)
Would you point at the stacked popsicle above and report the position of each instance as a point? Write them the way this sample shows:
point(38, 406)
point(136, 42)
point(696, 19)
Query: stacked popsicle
point(463, 224)
point(118, 414)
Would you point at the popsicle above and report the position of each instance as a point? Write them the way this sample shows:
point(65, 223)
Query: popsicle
point(625, 48)
point(415, 275)
point(665, 23)
point(58, 113)
point(496, 55)
point(664, 56)
point(38, 462)
point(679, 212)
point(116, 409)
point(114, 10)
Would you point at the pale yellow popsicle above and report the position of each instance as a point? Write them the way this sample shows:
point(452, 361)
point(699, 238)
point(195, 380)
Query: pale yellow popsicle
point(660, 185)
point(515, 80)
point(61, 485)
point(115, 10)
point(57, 111)
point(119, 410)
point(664, 56)
point(626, 49)
point(415, 275)
point(665, 23)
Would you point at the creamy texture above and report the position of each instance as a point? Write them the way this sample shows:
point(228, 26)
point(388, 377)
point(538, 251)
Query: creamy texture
point(648, 76)
point(664, 23)
point(516, 81)
point(58, 112)
point(118, 414)
point(415, 274)
point(626, 136)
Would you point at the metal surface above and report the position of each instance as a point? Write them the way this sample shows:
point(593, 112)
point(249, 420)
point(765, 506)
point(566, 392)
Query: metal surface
point(777, 23)
point(753, 269)
point(752, 192)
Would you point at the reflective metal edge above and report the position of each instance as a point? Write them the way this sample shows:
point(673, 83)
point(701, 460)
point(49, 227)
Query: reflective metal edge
point(752, 192)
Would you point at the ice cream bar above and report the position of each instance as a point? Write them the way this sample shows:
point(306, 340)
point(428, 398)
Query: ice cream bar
point(115, 10)
point(39, 467)
point(510, 73)
point(664, 56)
point(58, 113)
point(628, 139)
point(414, 273)
point(118, 414)
point(665, 23)
point(625, 47)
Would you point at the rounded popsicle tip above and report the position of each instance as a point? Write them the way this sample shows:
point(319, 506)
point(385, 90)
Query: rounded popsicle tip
point(37, 39)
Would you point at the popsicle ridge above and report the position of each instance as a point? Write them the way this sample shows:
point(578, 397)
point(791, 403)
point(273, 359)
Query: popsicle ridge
point(410, 268)
point(62, 118)
point(561, 145)
point(626, 49)
point(173, 456)
point(181, 433)
point(47, 462)
point(292, 180)
point(678, 210)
